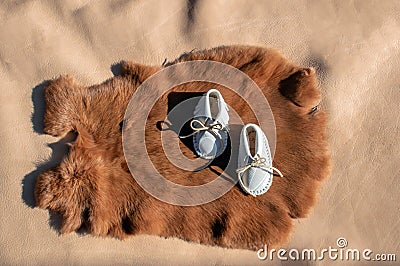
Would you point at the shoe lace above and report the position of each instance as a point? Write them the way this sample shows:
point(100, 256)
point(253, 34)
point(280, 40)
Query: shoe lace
point(214, 128)
point(259, 162)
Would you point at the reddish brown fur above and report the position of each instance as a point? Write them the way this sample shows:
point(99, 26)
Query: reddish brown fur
point(93, 185)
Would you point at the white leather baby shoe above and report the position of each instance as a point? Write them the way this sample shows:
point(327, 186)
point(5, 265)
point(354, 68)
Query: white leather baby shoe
point(210, 125)
point(255, 170)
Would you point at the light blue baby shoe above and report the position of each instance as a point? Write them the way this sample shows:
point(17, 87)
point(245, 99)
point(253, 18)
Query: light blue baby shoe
point(210, 125)
point(255, 170)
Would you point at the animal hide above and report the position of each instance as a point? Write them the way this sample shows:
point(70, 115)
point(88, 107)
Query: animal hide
point(93, 187)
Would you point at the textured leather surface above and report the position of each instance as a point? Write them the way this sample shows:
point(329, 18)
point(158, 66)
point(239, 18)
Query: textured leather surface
point(353, 44)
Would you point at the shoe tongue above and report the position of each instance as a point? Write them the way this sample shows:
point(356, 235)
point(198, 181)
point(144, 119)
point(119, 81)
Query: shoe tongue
point(203, 109)
point(223, 116)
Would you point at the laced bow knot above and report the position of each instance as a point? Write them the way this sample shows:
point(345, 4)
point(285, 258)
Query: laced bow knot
point(259, 162)
point(213, 127)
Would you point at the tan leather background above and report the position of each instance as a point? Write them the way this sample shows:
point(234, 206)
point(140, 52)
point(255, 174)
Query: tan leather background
point(353, 44)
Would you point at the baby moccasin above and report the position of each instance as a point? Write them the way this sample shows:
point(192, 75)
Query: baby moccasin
point(210, 125)
point(255, 170)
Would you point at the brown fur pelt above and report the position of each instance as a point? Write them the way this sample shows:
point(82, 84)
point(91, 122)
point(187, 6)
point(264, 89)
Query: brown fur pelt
point(93, 187)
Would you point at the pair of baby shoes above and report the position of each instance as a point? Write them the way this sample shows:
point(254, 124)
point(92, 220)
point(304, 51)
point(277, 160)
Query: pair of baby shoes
point(210, 138)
